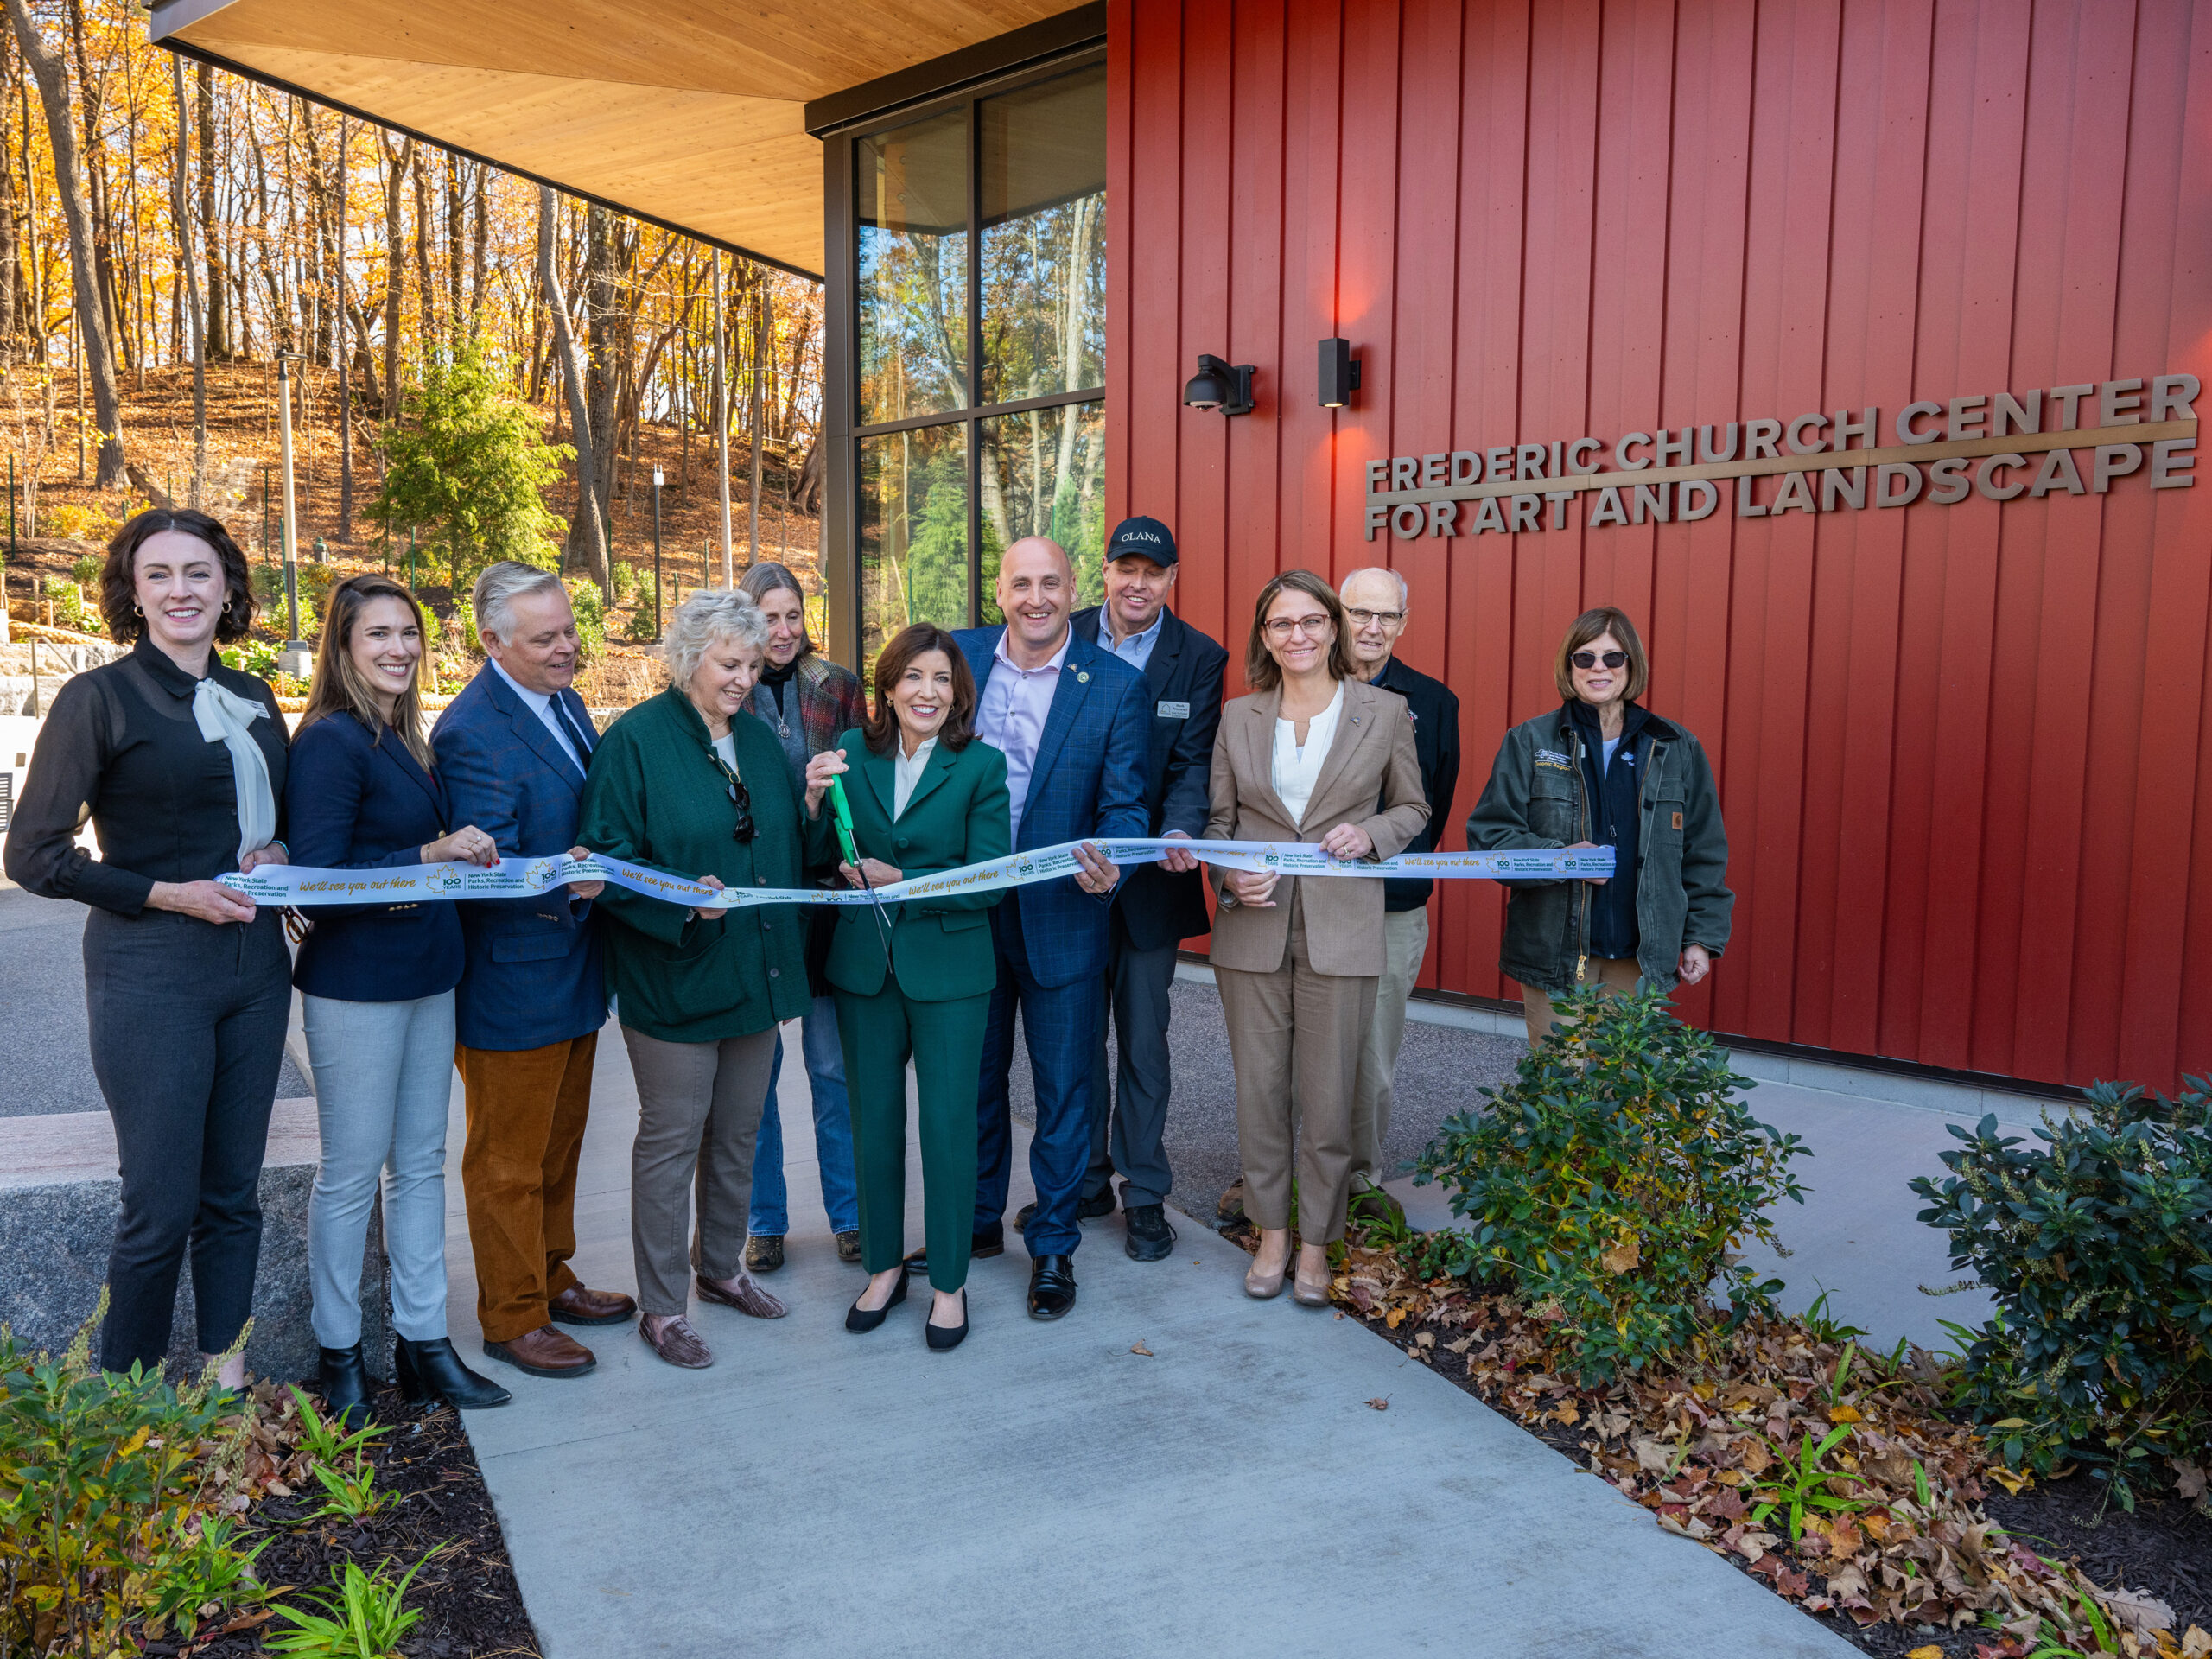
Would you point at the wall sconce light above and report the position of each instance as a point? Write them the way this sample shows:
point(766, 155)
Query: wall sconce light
point(1339, 373)
point(1224, 386)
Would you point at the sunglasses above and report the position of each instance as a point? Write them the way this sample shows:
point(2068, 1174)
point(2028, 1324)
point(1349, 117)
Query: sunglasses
point(1589, 658)
point(742, 829)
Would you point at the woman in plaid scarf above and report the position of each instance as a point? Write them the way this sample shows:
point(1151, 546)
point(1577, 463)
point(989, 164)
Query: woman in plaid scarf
point(806, 700)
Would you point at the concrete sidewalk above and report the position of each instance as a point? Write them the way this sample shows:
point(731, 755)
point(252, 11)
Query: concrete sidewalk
point(1044, 1490)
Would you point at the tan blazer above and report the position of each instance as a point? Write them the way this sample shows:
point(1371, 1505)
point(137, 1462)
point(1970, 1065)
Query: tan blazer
point(1372, 758)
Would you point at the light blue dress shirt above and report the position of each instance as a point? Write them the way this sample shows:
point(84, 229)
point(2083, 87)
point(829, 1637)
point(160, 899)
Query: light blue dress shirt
point(1136, 650)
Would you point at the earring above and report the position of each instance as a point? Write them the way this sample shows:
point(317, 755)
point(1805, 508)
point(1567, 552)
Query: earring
point(135, 611)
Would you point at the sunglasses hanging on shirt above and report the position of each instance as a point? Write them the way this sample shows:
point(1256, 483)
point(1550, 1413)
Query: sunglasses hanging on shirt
point(742, 829)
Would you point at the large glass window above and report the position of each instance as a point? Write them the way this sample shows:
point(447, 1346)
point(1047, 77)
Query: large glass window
point(981, 334)
point(913, 270)
point(914, 532)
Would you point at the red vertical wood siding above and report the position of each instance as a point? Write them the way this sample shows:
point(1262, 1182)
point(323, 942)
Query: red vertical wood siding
point(1964, 752)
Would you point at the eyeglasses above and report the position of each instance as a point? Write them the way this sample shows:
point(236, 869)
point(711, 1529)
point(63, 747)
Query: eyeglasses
point(1281, 627)
point(1366, 619)
point(1589, 658)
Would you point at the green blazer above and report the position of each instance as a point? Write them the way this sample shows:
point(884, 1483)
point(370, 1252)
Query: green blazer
point(960, 813)
point(655, 796)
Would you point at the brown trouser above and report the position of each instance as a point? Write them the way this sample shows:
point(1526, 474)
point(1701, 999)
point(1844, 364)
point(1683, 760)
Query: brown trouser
point(1612, 975)
point(526, 1111)
point(699, 1118)
point(1294, 1038)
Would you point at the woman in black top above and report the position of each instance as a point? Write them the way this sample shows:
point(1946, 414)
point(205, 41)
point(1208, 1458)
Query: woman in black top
point(180, 763)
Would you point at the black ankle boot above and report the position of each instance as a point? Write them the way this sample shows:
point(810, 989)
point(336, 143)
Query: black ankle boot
point(343, 1381)
point(431, 1370)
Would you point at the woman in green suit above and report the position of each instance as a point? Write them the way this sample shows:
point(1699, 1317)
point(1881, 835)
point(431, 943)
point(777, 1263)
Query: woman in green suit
point(926, 796)
point(689, 783)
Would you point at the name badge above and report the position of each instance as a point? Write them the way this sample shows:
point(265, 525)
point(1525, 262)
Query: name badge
point(1173, 711)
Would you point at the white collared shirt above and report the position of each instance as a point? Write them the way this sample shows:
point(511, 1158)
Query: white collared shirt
point(906, 772)
point(542, 705)
point(1012, 712)
point(1297, 767)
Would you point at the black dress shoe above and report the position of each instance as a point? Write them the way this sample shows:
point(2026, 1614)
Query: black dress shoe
point(431, 1370)
point(343, 1381)
point(944, 1338)
point(859, 1318)
point(1150, 1236)
point(1051, 1286)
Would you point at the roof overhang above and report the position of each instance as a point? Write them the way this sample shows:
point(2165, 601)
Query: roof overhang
point(692, 115)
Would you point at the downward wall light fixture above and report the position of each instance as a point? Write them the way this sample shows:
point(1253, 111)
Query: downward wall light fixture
point(1224, 386)
point(1339, 373)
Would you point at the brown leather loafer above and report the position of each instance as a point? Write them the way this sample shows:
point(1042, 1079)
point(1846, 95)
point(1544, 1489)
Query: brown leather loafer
point(676, 1342)
point(578, 1305)
point(544, 1352)
point(748, 1298)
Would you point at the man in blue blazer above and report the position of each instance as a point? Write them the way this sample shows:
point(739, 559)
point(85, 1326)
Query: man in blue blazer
point(1071, 720)
point(1161, 904)
point(512, 749)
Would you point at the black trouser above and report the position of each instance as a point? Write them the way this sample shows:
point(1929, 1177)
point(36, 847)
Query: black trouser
point(187, 1033)
point(1129, 1120)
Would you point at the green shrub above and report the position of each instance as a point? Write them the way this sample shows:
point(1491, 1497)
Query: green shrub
point(87, 570)
point(1614, 1178)
point(640, 627)
point(78, 524)
point(105, 1521)
point(591, 619)
point(2098, 1249)
point(70, 609)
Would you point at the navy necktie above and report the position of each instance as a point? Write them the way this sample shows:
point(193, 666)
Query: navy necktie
point(582, 743)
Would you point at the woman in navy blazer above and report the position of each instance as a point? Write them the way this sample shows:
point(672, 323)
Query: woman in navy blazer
point(377, 994)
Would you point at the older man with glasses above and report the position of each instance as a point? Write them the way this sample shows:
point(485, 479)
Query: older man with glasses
point(1375, 603)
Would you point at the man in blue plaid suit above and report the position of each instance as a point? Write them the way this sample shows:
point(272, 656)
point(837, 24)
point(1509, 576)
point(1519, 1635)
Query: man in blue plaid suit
point(1071, 720)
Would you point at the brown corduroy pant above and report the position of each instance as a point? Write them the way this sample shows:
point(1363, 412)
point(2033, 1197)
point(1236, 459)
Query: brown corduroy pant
point(527, 1112)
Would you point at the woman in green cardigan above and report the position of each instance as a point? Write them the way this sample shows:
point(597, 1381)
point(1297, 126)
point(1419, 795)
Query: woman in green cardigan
point(926, 796)
point(688, 783)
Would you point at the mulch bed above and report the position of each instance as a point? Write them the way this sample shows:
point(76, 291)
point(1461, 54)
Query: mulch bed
point(465, 1590)
point(1932, 1542)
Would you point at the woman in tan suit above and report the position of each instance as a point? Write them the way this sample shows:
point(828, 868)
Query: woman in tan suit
point(1306, 756)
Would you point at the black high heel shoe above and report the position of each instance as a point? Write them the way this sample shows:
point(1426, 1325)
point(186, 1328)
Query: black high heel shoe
point(861, 1319)
point(343, 1381)
point(431, 1370)
point(944, 1338)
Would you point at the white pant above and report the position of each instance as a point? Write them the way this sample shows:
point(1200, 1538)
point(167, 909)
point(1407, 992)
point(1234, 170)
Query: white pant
point(383, 1080)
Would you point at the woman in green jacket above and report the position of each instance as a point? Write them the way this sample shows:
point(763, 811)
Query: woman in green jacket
point(914, 979)
point(688, 783)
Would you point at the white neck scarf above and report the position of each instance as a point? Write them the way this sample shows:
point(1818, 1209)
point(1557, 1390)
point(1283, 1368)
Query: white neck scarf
point(225, 717)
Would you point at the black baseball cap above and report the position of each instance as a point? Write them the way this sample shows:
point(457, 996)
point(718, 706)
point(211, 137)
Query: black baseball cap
point(1145, 538)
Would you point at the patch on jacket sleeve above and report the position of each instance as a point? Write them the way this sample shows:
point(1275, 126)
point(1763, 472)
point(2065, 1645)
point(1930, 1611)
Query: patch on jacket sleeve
point(1553, 758)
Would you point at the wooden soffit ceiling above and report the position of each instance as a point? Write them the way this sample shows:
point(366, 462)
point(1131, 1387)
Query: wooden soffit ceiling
point(688, 112)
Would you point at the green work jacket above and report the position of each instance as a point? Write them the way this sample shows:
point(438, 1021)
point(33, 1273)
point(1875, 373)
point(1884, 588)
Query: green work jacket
point(959, 813)
point(656, 796)
point(1536, 799)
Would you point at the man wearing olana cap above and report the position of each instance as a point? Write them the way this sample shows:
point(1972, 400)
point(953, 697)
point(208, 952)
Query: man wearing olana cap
point(1160, 905)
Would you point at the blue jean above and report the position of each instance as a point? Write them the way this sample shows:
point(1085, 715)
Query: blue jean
point(833, 1132)
point(1060, 1025)
point(383, 1077)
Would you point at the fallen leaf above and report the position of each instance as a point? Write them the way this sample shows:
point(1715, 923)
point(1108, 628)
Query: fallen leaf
point(2014, 1483)
point(1844, 1414)
point(1395, 1318)
point(1566, 1413)
point(1654, 1455)
point(1623, 1255)
point(1138, 1347)
point(2188, 1482)
point(2196, 1644)
point(1931, 1651)
point(1379, 1404)
point(2140, 1611)
point(1757, 1458)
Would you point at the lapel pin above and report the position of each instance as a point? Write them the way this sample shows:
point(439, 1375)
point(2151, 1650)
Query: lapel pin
point(1082, 676)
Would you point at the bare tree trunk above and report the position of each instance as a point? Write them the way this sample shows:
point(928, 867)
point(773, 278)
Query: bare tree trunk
point(760, 342)
point(345, 354)
point(11, 279)
point(603, 402)
point(457, 306)
point(722, 415)
point(192, 288)
point(396, 163)
point(54, 93)
point(218, 337)
point(427, 294)
point(587, 532)
point(480, 256)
